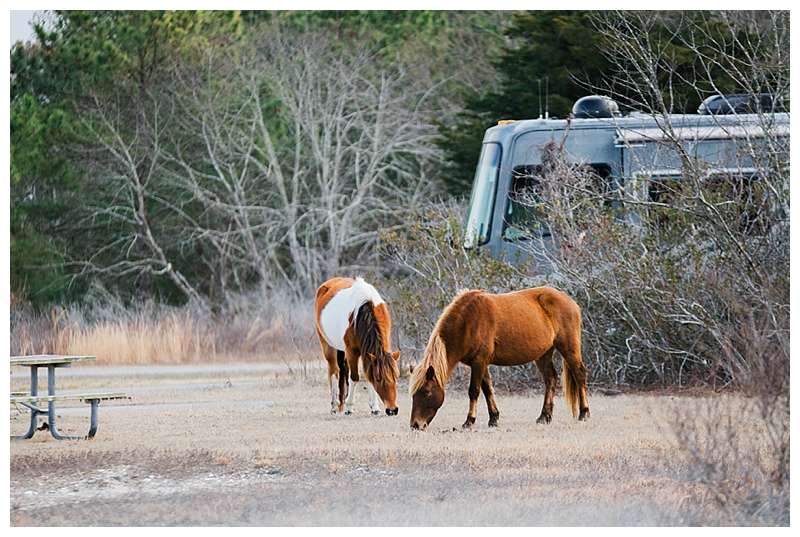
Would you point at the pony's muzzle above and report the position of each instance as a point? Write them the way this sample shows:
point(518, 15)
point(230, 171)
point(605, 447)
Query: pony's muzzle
point(392, 411)
point(419, 425)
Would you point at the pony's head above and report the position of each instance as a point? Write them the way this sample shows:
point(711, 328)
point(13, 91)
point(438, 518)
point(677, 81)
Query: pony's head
point(382, 372)
point(427, 383)
point(426, 400)
point(372, 326)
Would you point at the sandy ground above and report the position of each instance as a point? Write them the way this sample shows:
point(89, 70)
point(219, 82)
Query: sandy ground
point(254, 445)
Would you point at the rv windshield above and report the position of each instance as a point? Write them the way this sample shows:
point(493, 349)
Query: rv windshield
point(481, 204)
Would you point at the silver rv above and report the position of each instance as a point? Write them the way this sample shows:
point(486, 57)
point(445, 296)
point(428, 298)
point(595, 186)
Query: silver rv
point(618, 149)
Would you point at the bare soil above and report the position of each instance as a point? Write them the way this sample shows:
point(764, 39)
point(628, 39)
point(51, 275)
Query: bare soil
point(250, 445)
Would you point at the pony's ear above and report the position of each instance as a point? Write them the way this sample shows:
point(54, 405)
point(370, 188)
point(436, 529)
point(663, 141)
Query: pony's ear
point(396, 355)
point(430, 373)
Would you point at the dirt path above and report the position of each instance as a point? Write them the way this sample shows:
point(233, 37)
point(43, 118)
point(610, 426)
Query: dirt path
point(243, 445)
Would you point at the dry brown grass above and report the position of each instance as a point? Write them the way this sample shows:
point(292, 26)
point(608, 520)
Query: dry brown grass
point(157, 334)
point(264, 450)
point(736, 456)
point(172, 339)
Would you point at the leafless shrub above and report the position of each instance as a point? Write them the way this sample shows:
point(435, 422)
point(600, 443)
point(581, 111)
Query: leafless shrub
point(738, 448)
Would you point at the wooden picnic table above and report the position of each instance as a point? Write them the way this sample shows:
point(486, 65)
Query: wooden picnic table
point(52, 362)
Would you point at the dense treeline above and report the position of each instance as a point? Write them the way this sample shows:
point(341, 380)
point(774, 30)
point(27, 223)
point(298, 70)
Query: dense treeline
point(100, 110)
point(108, 109)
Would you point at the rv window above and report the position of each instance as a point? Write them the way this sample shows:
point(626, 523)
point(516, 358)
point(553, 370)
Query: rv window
point(481, 204)
point(731, 191)
point(524, 219)
point(749, 197)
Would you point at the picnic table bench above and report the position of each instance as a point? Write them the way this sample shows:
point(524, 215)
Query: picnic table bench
point(30, 400)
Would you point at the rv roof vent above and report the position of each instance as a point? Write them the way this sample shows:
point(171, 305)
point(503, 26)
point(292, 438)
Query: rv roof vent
point(595, 106)
point(739, 103)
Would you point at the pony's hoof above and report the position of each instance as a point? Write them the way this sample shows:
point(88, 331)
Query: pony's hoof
point(493, 419)
point(348, 412)
point(375, 412)
point(584, 415)
point(333, 411)
point(544, 420)
point(469, 423)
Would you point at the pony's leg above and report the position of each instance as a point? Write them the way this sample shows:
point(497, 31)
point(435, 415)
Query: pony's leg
point(330, 355)
point(333, 374)
point(344, 381)
point(353, 381)
point(474, 391)
point(577, 371)
point(550, 377)
point(352, 363)
point(584, 402)
point(333, 381)
point(351, 396)
point(374, 400)
point(491, 404)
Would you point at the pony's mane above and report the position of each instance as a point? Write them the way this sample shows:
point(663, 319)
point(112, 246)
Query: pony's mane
point(435, 353)
point(381, 369)
point(366, 328)
point(370, 339)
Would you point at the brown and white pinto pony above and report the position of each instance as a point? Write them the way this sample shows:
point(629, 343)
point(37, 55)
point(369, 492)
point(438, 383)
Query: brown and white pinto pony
point(353, 322)
point(479, 328)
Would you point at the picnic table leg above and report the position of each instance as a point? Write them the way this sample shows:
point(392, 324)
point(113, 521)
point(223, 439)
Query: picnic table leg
point(34, 413)
point(93, 423)
point(51, 406)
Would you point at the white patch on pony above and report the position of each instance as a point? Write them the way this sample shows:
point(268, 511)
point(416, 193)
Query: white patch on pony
point(355, 387)
point(351, 395)
point(374, 399)
point(333, 380)
point(335, 316)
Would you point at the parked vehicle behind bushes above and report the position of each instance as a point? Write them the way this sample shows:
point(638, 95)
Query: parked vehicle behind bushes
point(633, 159)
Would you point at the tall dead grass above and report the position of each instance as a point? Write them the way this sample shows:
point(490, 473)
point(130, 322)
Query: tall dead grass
point(174, 338)
point(247, 328)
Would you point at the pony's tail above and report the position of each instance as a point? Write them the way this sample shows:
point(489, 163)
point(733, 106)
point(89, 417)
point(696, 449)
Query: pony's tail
point(572, 390)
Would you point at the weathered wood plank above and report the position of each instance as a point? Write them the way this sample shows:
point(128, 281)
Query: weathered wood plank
point(49, 359)
point(68, 397)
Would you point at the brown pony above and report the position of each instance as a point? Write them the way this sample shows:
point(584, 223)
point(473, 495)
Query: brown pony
point(353, 322)
point(479, 328)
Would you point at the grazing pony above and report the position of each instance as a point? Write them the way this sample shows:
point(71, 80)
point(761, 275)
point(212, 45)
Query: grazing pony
point(353, 322)
point(479, 328)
